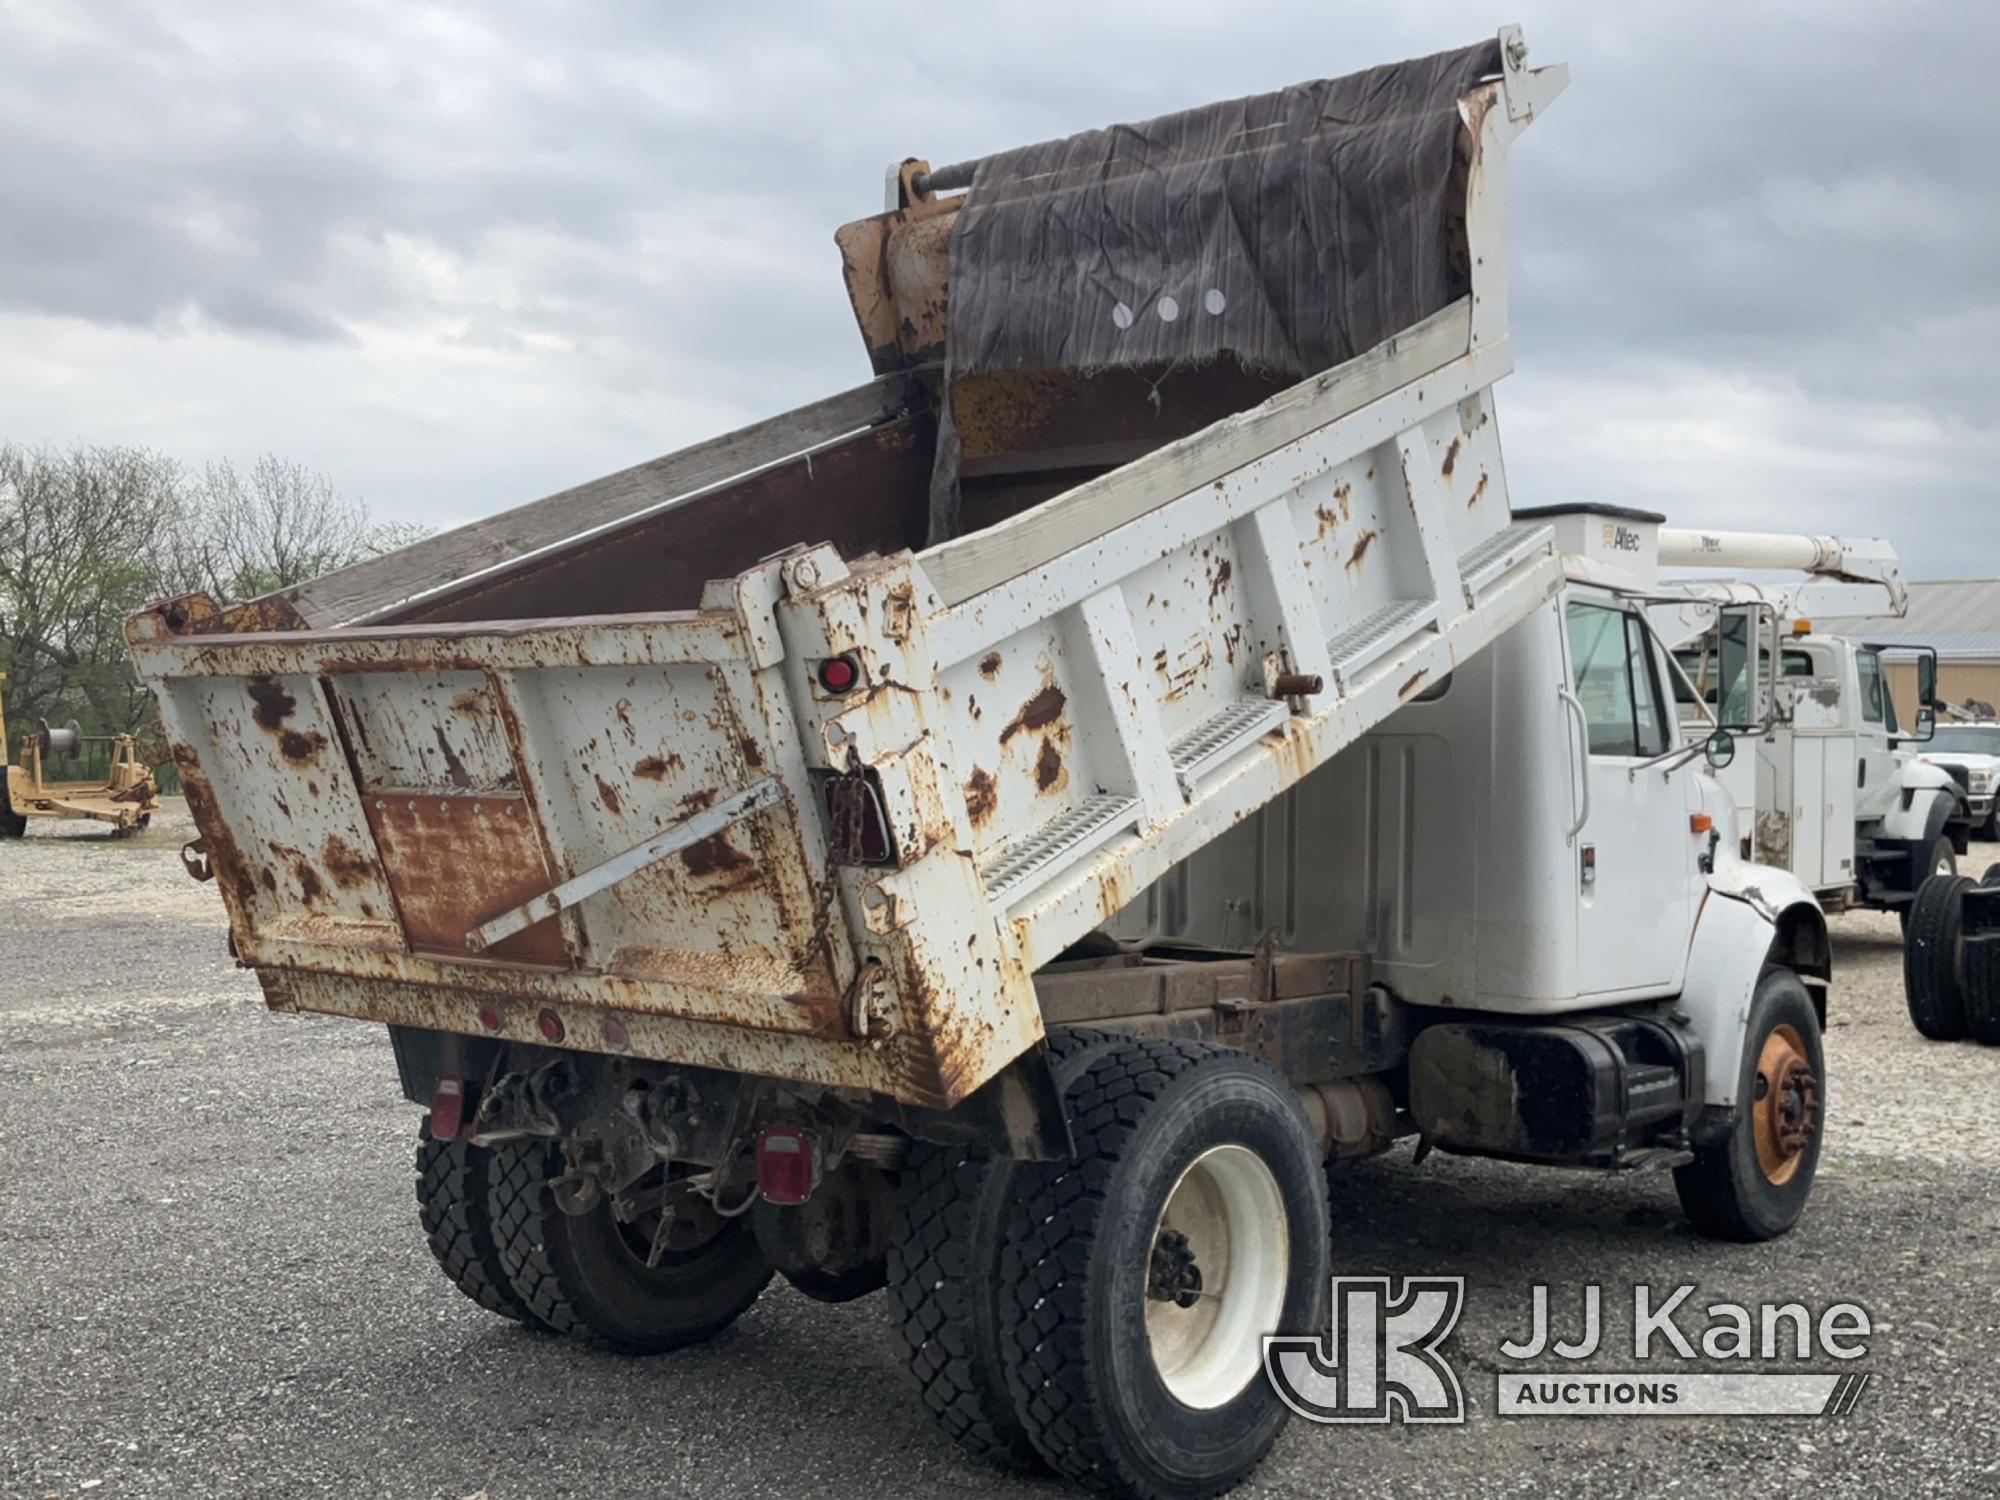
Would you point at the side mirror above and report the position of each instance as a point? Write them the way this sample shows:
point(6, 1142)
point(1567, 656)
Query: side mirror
point(1720, 749)
point(1740, 653)
point(1926, 722)
point(1926, 683)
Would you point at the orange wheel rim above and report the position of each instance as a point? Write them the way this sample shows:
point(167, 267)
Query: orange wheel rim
point(1784, 1105)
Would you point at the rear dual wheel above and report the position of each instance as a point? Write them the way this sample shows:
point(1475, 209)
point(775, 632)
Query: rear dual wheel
point(493, 1225)
point(1106, 1314)
point(1138, 1281)
point(641, 1287)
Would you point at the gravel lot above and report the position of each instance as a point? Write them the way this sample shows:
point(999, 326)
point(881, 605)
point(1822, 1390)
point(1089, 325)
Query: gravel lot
point(214, 1283)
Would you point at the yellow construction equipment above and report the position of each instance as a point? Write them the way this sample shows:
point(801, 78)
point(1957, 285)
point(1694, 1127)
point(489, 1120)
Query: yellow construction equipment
point(126, 799)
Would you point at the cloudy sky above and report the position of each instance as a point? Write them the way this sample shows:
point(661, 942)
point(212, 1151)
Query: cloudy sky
point(459, 257)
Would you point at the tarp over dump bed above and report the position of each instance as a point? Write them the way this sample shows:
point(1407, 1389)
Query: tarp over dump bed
point(1289, 231)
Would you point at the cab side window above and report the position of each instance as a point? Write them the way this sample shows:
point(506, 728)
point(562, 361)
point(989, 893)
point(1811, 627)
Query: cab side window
point(1611, 659)
point(1873, 708)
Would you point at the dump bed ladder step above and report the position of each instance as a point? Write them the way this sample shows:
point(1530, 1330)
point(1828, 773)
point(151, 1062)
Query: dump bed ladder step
point(1497, 556)
point(1217, 739)
point(1375, 635)
point(1081, 831)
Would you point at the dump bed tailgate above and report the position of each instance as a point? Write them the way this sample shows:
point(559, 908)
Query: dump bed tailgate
point(369, 798)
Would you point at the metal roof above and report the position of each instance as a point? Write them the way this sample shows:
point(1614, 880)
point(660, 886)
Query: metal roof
point(1960, 617)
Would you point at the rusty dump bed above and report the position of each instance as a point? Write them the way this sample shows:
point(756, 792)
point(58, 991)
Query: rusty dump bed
point(821, 812)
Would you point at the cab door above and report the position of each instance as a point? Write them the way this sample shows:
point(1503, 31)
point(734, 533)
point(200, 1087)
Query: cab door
point(1875, 726)
point(1635, 853)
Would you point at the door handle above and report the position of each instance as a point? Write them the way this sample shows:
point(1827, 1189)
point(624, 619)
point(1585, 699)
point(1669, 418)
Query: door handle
point(1575, 707)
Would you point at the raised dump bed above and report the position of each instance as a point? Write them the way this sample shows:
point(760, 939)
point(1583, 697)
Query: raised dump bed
point(722, 761)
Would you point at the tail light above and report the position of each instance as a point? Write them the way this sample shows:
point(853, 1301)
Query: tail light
point(787, 1165)
point(840, 675)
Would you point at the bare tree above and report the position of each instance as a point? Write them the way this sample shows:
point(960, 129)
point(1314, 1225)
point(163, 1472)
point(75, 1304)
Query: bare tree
point(90, 535)
point(239, 535)
point(74, 527)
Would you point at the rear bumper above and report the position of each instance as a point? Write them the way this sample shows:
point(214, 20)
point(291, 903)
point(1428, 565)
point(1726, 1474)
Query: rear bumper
point(545, 1011)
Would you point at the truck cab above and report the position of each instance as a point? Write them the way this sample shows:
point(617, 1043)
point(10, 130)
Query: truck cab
point(1833, 787)
point(1973, 752)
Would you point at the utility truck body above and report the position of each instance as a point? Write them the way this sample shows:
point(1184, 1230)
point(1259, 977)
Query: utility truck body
point(828, 849)
point(1834, 787)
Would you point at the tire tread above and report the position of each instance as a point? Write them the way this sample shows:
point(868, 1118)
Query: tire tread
point(1931, 988)
point(452, 1206)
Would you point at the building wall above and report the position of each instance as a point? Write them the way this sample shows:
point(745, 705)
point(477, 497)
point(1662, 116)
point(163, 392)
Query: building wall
point(1957, 681)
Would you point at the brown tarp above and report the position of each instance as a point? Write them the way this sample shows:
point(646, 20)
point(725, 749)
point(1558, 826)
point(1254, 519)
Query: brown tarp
point(1288, 231)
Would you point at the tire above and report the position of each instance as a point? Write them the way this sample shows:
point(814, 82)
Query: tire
point(1121, 1385)
point(1733, 1189)
point(1943, 860)
point(944, 1276)
point(587, 1277)
point(1982, 990)
point(452, 1181)
point(1992, 875)
point(1931, 985)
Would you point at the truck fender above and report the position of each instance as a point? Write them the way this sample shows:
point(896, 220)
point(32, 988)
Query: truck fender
point(1736, 936)
point(1929, 798)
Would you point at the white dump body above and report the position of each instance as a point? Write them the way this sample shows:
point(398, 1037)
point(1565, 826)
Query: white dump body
point(666, 833)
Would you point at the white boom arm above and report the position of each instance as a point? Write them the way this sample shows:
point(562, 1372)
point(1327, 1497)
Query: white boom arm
point(1852, 577)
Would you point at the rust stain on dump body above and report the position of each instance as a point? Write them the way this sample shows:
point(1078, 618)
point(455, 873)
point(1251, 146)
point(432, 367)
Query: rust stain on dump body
point(989, 666)
point(345, 863)
point(1050, 774)
point(453, 766)
point(1451, 458)
point(721, 863)
point(1361, 545)
point(608, 795)
point(1038, 712)
point(982, 796)
point(655, 767)
point(273, 704)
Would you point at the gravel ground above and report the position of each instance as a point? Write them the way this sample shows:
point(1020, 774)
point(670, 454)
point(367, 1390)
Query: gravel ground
point(214, 1283)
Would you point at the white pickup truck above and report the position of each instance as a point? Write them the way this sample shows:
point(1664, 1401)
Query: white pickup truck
point(1021, 919)
point(1974, 750)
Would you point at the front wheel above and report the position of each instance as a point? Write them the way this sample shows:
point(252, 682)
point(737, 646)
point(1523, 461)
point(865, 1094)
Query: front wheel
point(1942, 860)
point(1753, 1184)
point(1139, 1280)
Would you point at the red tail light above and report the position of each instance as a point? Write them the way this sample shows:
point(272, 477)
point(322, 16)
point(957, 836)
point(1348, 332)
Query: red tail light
point(447, 1107)
point(840, 674)
point(787, 1164)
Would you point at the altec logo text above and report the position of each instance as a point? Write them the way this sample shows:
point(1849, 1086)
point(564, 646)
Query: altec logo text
point(1381, 1358)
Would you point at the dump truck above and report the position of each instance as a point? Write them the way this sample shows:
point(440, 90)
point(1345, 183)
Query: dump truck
point(998, 833)
point(126, 797)
point(1835, 788)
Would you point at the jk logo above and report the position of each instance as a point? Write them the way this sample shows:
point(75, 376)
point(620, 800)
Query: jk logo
point(1379, 1361)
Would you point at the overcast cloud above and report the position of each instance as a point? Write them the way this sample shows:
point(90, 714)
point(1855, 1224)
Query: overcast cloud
point(459, 257)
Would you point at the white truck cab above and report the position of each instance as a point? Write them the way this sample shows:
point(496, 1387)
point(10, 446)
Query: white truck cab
point(1974, 751)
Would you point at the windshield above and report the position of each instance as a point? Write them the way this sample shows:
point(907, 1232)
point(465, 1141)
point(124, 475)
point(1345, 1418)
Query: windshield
point(1967, 739)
